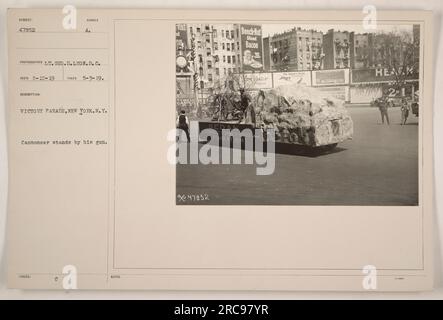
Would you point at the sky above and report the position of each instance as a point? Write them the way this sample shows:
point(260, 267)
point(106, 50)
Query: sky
point(270, 29)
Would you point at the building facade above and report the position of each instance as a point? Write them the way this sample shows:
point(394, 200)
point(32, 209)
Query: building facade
point(359, 50)
point(209, 56)
point(336, 49)
point(296, 49)
point(216, 51)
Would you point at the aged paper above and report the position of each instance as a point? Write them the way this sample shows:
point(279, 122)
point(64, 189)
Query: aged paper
point(341, 200)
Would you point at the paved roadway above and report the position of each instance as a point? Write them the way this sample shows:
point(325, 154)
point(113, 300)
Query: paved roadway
point(378, 167)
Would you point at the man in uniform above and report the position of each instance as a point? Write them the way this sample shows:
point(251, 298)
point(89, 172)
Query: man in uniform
point(382, 105)
point(183, 124)
point(405, 107)
point(247, 109)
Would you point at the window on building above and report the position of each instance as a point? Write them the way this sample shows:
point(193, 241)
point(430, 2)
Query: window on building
point(224, 58)
point(209, 64)
point(237, 33)
point(199, 44)
point(208, 51)
point(227, 33)
point(217, 71)
point(217, 58)
point(202, 85)
point(232, 34)
point(224, 71)
point(238, 46)
point(200, 58)
point(223, 33)
point(229, 59)
point(207, 27)
point(208, 38)
point(214, 33)
point(200, 71)
point(215, 45)
point(210, 77)
point(228, 46)
point(198, 30)
point(223, 46)
point(233, 59)
point(191, 30)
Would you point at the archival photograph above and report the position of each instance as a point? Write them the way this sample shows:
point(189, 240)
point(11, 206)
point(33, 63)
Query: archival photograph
point(297, 114)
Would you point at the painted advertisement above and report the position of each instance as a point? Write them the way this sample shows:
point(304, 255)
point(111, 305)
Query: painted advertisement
point(338, 92)
point(288, 78)
point(410, 89)
point(330, 77)
point(379, 75)
point(251, 47)
point(364, 95)
point(256, 81)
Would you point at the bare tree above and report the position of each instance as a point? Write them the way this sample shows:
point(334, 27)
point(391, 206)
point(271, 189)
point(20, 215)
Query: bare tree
point(397, 51)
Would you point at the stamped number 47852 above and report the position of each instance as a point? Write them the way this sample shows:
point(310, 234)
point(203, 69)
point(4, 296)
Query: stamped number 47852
point(192, 197)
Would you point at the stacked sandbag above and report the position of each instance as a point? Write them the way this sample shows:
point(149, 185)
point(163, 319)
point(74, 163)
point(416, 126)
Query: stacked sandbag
point(301, 115)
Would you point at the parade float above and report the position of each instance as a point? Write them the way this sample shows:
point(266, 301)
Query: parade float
point(299, 115)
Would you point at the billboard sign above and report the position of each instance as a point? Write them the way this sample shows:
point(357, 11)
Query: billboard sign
point(338, 92)
point(365, 94)
point(408, 89)
point(379, 75)
point(251, 47)
point(297, 77)
point(256, 81)
point(330, 77)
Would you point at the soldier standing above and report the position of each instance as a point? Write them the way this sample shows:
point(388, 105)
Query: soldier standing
point(404, 111)
point(245, 101)
point(382, 105)
point(183, 124)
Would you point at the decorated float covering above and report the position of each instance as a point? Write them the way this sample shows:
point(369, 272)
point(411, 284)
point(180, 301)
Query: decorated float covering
point(303, 115)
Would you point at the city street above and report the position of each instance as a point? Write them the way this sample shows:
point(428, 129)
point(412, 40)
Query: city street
point(378, 167)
